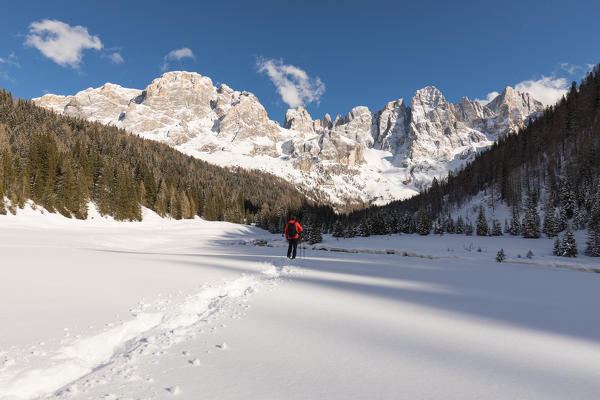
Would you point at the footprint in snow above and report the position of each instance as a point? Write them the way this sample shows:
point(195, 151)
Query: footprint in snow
point(222, 346)
point(174, 390)
point(195, 362)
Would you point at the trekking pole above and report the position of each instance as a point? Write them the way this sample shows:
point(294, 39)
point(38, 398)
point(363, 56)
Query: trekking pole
point(303, 250)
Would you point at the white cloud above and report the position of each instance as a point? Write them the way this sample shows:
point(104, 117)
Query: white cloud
point(547, 89)
point(579, 70)
point(176, 54)
point(6, 76)
point(490, 96)
point(10, 61)
point(293, 84)
point(115, 58)
point(62, 43)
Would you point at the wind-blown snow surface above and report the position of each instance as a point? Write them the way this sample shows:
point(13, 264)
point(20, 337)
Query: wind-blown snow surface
point(99, 309)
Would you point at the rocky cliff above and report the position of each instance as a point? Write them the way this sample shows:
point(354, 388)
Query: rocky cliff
point(363, 156)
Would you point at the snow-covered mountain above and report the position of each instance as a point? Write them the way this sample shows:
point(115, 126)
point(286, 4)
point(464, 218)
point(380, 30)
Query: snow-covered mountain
point(371, 157)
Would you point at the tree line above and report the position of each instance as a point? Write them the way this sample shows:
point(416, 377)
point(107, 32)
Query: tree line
point(63, 163)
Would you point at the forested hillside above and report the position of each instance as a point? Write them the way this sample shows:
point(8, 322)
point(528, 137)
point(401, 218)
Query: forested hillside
point(63, 163)
point(552, 166)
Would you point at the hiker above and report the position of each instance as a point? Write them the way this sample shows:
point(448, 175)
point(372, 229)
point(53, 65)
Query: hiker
point(292, 234)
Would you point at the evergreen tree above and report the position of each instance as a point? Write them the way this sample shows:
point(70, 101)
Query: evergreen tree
point(496, 228)
point(423, 222)
point(438, 228)
point(515, 225)
point(593, 243)
point(567, 198)
point(531, 221)
point(363, 228)
point(405, 223)
point(569, 247)
point(314, 235)
point(338, 229)
point(469, 228)
point(482, 224)
point(550, 225)
point(593, 236)
point(460, 225)
point(580, 218)
point(351, 232)
point(449, 225)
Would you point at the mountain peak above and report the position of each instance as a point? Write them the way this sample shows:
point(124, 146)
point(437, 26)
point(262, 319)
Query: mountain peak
point(429, 96)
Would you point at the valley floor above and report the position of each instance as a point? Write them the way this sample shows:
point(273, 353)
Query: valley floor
point(104, 310)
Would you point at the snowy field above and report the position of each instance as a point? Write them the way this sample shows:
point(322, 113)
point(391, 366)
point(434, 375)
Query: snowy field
point(193, 309)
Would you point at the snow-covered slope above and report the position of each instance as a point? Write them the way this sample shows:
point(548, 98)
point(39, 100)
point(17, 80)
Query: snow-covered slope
point(364, 156)
point(98, 309)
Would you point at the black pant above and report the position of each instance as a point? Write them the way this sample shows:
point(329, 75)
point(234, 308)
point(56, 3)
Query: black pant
point(293, 244)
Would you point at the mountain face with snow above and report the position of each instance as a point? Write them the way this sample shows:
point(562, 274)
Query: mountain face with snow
point(362, 157)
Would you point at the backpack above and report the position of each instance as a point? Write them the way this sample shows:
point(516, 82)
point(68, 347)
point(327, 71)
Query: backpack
point(291, 230)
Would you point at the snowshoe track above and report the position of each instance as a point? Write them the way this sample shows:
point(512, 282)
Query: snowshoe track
point(149, 333)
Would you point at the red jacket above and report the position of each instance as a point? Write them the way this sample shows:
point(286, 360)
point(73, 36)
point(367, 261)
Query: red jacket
point(298, 230)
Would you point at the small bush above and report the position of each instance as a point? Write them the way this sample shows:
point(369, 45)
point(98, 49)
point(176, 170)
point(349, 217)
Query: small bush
point(500, 256)
point(529, 254)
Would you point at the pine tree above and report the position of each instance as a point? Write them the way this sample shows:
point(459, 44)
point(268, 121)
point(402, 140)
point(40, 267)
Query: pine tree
point(405, 223)
point(449, 225)
point(567, 198)
point(482, 224)
point(351, 231)
point(557, 250)
point(515, 225)
point(531, 221)
point(593, 236)
point(363, 228)
point(550, 225)
point(460, 225)
point(338, 229)
point(438, 228)
point(569, 247)
point(580, 218)
point(423, 222)
point(593, 243)
point(469, 228)
point(496, 228)
point(314, 235)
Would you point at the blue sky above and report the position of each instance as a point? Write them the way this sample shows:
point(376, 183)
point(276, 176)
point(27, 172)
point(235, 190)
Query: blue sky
point(327, 56)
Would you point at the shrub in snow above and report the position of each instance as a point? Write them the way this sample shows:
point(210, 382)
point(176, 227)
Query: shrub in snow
point(500, 256)
point(529, 254)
